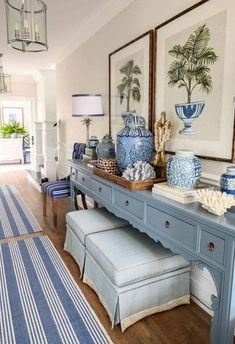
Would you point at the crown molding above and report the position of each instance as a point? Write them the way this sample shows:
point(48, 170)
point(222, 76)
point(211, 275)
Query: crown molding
point(92, 25)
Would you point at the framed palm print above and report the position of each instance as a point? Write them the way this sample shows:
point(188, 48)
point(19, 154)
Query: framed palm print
point(195, 55)
point(130, 81)
point(12, 114)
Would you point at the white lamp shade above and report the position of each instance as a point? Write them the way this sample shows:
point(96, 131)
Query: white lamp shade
point(87, 105)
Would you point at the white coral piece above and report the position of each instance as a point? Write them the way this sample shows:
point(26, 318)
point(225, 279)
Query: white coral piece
point(215, 201)
point(140, 170)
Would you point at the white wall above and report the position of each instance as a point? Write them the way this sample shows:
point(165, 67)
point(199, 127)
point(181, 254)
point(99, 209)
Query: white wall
point(46, 96)
point(86, 70)
point(22, 86)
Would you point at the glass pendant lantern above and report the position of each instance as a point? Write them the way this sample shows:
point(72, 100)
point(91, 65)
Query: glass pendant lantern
point(5, 79)
point(26, 25)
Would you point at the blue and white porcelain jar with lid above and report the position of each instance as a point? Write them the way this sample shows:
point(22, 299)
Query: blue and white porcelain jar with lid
point(227, 181)
point(183, 170)
point(134, 141)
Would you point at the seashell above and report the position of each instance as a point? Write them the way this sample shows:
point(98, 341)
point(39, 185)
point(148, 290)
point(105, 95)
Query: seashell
point(215, 201)
point(140, 170)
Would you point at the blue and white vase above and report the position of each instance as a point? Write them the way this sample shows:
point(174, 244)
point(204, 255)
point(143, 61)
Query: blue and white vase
point(106, 148)
point(227, 181)
point(134, 142)
point(183, 170)
point(188, 112)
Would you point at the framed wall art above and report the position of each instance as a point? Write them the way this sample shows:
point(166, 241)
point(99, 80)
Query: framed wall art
point(195, 54)
point(130, 81)
point(12, 114)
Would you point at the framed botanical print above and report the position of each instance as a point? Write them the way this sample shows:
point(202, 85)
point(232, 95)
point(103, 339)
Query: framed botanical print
point(12, 114)
point(195, 54)
point(130, 81)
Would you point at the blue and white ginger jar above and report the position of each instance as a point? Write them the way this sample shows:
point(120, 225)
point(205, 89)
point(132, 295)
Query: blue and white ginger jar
point(134, 142)
point(106, 148)
point(183, 170)
point(227, 181)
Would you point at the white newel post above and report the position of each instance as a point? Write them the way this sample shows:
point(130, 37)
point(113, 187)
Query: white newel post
point(49, 149)
point(38, 154)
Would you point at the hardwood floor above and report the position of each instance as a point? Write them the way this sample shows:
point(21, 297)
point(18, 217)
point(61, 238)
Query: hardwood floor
point(183, 325)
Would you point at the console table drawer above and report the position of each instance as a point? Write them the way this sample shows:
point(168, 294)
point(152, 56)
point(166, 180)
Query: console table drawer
point(102, 190)
point(83, 179)
point(129, 204)
point(179, 230)
point(212, 246)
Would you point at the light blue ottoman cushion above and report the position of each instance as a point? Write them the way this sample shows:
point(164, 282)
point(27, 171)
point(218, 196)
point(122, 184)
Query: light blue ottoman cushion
point(82, 223)
point(133, 275)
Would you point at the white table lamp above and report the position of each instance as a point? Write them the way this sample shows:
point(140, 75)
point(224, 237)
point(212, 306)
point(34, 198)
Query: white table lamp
point(87, 105)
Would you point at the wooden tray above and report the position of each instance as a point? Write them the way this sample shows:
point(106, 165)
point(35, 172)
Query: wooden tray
point(134, 186)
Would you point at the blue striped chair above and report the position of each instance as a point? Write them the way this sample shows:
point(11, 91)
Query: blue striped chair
point(61, 188)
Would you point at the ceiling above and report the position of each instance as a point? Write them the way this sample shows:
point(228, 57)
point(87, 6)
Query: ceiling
point(70, 23)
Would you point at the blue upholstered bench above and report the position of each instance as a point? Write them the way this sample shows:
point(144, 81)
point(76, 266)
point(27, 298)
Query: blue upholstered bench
point(80, 224)
point(133, 275)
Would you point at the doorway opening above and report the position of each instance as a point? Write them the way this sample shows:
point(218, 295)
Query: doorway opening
point(16, 128)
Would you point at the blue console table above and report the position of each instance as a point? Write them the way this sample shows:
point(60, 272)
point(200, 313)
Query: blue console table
point(188, 230)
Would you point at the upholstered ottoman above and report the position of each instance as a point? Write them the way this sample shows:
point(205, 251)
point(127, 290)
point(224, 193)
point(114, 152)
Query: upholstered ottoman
point(82, 223)
point(133, 275)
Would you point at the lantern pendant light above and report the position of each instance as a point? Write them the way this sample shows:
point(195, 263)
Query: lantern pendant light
point(26, 25)
point(5, 79)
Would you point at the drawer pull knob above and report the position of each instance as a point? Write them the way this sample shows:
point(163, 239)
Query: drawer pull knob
point(100, 189)
point(83, 179)
point(211, 247)
point(126, 203)
point(167, 224)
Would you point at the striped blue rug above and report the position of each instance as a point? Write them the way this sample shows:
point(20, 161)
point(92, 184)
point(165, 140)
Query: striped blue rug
point(39, 300)
point(15, 217)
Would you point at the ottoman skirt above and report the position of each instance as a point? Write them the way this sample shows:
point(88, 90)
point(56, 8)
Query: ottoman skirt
point(147, 280)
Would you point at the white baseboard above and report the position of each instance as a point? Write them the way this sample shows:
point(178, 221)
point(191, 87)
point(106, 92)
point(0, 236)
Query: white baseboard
point(34, 183)
point(201, 305)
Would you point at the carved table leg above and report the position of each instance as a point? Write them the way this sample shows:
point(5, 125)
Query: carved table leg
point(223, 322)
point(72, 200)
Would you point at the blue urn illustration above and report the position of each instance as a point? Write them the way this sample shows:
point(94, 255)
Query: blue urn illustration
point(183, 170)
point(190, 70)
point(134, 141)
point(188, 112)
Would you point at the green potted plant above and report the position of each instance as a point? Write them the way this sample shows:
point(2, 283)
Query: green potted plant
point(12, 129)
point(191, 71)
